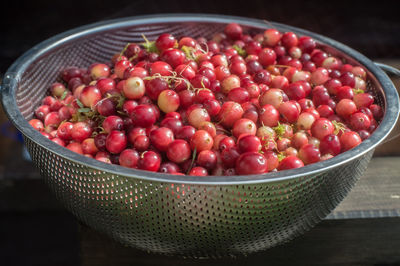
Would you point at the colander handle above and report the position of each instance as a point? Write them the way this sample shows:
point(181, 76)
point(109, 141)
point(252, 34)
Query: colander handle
point(394, 71)
point(7, 81)
point(388, 69)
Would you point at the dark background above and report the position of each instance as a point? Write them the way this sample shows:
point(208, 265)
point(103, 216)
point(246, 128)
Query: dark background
point(371, 27)
point(34, 229)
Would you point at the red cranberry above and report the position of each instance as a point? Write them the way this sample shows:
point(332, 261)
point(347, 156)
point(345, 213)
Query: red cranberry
point(325, 110)
point(239, 95)
point(168, 101)
point(290, 162)
point(349, 140)
point(149, 161)
point(364, 134)
point(345, 108)
point(201, 140)
point(71, 72)
point(198, 171)
point(320, 95)
point(244, 126)
point(289, 39)
point(120, 67)
point(262, 76)
point(253, 66)
point(289, 111)
point(377, 111)
point(107, 107)
point(271, 37)
point(112, 122)
point(344, 92)
point(173, 57)
point(155, 86)
point(141, 143)
point(359, 121)
point(226, 143)
point(249, 143)
point(161, 138)
point(267, 57)
point(233, 31)
point(204, 95)
point(299, 139)
point(116, 142)
point(330, 144)
point(229, 156)
point(172, 123)
point(75, 147)
point(81, 131)
point(253, 47)
point(222, 72)
point(170, 168)
point(363, 100)
point(306, 44)
point(165, 41)
point(269, 116)
point(309, 154)
point(129, 158)
point(186, 133)
point(160, 67)
point(144, 116)
point(348, 79)
point(322, 127)
point(207, 159)
point(42, 111)
point(230, 113)
point(100, 141)
point(178, 151)
point(251, 163)
point(212, 106)
point(295, 91)
point(238, 68)
point(64, 130)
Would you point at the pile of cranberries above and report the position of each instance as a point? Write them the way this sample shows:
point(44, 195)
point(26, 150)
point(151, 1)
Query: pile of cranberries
point(236, 104)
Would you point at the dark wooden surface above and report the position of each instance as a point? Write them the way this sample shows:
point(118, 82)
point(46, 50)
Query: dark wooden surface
point(346, 242)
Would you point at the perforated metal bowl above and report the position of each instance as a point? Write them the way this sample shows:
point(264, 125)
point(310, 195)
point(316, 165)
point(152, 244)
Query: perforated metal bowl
point(182, 215)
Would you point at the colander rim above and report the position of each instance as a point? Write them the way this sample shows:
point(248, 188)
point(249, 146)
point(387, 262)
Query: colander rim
point(15, 71)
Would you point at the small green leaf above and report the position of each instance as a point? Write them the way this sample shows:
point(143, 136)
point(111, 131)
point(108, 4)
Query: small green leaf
point(281, 156)
point(279, 129)
point(122, 113)
point(121, 101)
point(79, 103)
point(193, 159)
point(358, 91)
point(64, 95)
point(240, 50)
point(338, 127)
point(84, 110)
point(123, 50)
point(189, 52)
point(149, 46)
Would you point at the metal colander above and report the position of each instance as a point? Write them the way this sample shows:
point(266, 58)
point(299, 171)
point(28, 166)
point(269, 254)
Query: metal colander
point(189, 216)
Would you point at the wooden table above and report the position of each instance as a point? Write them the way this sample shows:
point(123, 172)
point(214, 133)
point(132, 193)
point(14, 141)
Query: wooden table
point(36, 230)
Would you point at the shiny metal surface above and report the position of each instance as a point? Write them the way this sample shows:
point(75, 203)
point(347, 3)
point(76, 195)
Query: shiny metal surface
point(188, 216)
